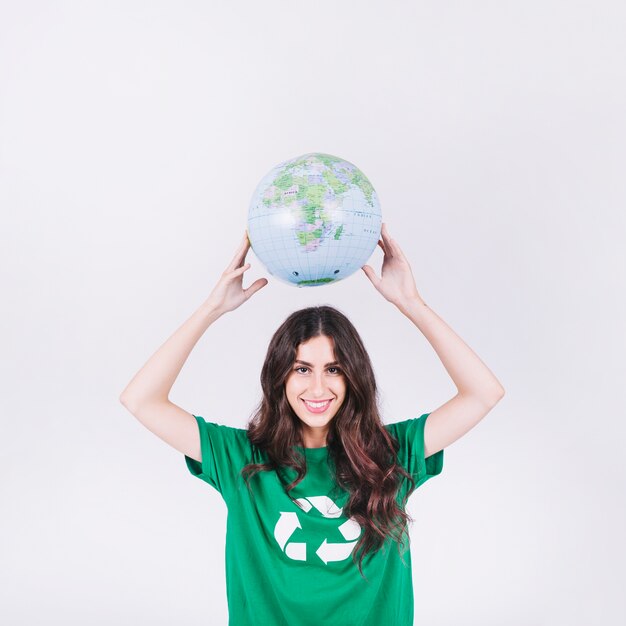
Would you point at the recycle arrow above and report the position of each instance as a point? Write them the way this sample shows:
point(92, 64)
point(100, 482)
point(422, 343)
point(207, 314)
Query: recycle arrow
point(288, 522)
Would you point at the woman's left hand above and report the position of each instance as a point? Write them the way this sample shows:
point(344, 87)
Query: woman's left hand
point(396, 283)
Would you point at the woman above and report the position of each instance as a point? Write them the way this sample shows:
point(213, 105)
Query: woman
point(316, 486)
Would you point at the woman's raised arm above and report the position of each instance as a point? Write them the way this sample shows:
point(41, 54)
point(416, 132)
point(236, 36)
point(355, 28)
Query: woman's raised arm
point(147, 394)
point(478, 389)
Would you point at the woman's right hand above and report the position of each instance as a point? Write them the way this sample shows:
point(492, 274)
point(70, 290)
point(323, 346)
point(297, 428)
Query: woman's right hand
point(228, 294)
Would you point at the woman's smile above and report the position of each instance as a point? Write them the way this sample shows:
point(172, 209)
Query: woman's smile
point(316, 407)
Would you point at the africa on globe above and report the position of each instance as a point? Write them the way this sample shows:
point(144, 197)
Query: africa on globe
point(314, 220)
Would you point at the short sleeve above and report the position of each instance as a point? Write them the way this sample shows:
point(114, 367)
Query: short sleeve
point(225, 451)
point(410, 436)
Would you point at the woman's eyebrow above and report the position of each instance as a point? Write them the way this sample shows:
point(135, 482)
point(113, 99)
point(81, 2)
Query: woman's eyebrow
point(309, 364)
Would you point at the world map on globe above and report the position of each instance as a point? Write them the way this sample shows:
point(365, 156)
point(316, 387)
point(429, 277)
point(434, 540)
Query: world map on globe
point(314, 219)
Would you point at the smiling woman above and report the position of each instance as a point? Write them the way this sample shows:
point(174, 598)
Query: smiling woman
point(316, 486)
point(319, 391)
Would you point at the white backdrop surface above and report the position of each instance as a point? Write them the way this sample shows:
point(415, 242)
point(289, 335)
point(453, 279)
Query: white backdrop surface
point(132, 135)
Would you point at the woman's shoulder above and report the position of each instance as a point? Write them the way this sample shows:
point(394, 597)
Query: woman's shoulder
point(218, 430)
point(402, 427)
point(230, 443)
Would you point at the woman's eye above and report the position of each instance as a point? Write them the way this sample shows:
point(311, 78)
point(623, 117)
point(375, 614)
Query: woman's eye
point(336, 369)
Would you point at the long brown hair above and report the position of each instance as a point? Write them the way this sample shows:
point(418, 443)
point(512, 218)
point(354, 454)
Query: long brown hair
point(361, 451)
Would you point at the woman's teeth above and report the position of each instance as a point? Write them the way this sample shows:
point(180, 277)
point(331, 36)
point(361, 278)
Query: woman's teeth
point(317, 407)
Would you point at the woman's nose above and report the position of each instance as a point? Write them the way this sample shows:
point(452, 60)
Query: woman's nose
point(317, 387)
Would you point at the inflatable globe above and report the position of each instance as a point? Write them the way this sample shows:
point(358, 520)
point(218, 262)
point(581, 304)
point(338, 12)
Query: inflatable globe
point(314, 220)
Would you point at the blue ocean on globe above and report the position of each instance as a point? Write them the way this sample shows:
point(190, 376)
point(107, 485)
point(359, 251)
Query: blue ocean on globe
point(314, 220)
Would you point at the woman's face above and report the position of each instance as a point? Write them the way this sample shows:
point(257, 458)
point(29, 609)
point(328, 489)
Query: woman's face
point(315, 377)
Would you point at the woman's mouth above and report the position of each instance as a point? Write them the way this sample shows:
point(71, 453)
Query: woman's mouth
point(316, 407)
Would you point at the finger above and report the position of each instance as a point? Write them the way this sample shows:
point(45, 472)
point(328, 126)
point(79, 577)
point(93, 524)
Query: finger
point(369, 272)
point(382, 245)
point(255, 286)
point(386, 250)
point(235, 262)
point(240, 270)
point(392, 245)
point(395, 247)
point(384, 231)
point(240, 255)
point(386, 240)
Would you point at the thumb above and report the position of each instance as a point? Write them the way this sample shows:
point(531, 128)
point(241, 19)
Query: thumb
point(369, 272)
point(255, 286)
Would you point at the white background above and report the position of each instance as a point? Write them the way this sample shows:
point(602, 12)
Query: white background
point(132, 135)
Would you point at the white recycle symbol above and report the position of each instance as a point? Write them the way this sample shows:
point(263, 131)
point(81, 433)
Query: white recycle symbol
point(288, 522)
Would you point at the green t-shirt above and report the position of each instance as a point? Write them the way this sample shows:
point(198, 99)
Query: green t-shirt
point(291, 564)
